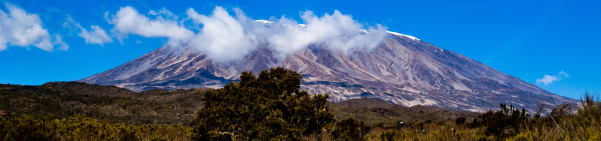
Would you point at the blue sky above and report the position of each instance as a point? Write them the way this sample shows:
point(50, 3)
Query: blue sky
point(555, 42)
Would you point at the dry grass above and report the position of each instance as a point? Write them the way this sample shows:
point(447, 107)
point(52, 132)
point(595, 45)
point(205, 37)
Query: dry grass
point(127, 115)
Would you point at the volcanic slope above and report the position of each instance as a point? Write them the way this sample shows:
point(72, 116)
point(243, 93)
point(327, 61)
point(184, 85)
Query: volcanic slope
point(402, 70)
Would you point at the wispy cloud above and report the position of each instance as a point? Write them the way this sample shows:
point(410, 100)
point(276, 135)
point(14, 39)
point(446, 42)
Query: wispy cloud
point(548, 79)
point(226, 37)
point(128, 21)
point(19, 28)
point(96, 35)
point(59, 41)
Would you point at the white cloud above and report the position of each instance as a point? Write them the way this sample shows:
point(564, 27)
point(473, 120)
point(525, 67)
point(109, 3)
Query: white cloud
point(336, 31)
point(129, 21)
point(19, 28)
point(564, 74)
point(224, 37)
point(548, 79)
point(59, 41)
point(96, 36)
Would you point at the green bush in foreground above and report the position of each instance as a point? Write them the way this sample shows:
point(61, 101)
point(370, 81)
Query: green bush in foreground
point(268, 107)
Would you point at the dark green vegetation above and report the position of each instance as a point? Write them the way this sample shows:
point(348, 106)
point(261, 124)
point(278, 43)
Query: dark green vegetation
point(62, 99)
point(376, 111)
point(85, 128)
point(163, 107)
point(267, 107)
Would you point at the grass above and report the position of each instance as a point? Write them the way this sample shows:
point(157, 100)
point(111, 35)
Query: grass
point(76, 111)
point(564, 123)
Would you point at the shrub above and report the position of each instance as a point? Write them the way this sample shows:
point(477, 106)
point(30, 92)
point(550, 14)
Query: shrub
point(460, 120)
point(350, 130)
point(590, 109)
point(268, 107)
point(505, 122)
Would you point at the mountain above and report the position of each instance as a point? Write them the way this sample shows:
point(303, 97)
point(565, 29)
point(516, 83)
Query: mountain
point(402, 70)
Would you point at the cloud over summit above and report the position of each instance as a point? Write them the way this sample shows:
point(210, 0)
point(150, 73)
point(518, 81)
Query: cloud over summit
point(222, 36)
point(225, 37)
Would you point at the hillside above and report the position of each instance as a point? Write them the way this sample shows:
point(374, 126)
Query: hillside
point(375, 111)
point(62, 99)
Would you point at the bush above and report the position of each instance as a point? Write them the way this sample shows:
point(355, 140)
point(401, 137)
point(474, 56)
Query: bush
point(460, 120)
point(590, 109)
point(505, 122)
point(268, 107)
point(350, 130)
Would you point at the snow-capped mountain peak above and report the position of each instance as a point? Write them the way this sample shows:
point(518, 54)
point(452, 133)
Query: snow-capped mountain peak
point(398, 71)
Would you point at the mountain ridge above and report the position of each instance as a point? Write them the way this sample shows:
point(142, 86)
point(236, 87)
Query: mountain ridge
point(401, 70)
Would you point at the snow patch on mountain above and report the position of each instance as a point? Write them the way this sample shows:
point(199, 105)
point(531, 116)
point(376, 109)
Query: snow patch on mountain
point(399, 34)
point(397, 71)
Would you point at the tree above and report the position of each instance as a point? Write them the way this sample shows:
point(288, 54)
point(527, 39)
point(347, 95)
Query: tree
point(268, 107)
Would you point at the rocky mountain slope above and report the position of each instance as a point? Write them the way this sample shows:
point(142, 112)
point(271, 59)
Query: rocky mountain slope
point(401, 70)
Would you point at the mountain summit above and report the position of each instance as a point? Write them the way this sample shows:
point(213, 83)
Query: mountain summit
point(401, 70)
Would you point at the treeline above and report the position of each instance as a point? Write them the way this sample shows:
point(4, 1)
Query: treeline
point(271, 106)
